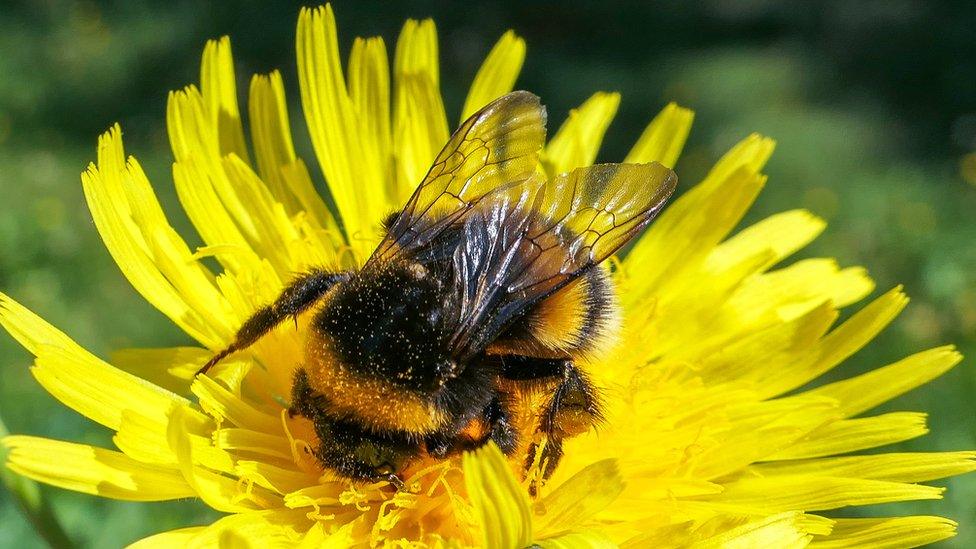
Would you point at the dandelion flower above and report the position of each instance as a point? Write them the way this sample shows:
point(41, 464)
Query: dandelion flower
point(710, 439)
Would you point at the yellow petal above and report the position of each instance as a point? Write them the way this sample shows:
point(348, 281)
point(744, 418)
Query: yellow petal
point(577, 540)
point(316, 538)
point(836, 346)
point(745, 357)
point(848, 435)
point(751, 153)
point(354, 176)
point(689, 298)
point(172, 368)
point(868, 390)
point(419, 122)
point(146, 248)
point(255, 442)
point(219, 87)
point(233, 539)
point(218, 212)
point(500, 503)
point(277, 479)
point(689, 228)
point(887, 533)
point(213, 222)
point(167, 540)
point(497, 74)
point(276, 528)
point(274, 237)
point(578, 140)
point(578, 499)
point(417, 50)
point(906, 467)
point(675, 535)
point(190, 127)
point(818, 492)
point(271, 134)
point(783, 233)
point(76, 377)
point(784, 530)
point(34, 334)
point(223, 210)
point(226, 201)
point(420, 129)
point(789, 529)
point(664, 137)
point(790, 292)
point(145, 439)
point(759, 433)
point(221, 403)
point(369, 88)
point(299, 182)
point(92, 470)
point(218, 491)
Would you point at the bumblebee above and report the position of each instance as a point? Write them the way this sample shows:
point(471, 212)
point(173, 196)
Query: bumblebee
point(486, 287)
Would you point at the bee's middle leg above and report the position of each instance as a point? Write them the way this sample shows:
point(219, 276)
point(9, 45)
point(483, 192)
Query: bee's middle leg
point(497, 428)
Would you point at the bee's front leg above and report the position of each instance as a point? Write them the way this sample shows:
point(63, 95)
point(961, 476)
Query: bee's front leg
point(300, 294)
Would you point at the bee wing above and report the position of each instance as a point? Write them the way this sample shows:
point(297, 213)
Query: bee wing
point(491, 153)
point(522, 249)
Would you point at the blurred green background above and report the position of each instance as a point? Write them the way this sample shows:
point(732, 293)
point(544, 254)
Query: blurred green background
point(873, 105)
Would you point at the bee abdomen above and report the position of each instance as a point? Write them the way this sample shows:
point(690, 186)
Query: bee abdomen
point(581, 318)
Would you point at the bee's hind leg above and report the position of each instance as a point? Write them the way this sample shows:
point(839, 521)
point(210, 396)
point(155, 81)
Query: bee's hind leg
point(573, 409)
point(575, 406)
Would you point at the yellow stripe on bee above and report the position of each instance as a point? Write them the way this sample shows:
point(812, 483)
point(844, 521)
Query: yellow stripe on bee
point(375, 402)
point(557, 322)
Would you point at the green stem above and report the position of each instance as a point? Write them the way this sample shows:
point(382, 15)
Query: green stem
point(27, 494)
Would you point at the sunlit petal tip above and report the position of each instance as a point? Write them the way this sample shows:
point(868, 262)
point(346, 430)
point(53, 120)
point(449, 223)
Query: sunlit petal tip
point(891, 532)
point(578, 140)
point(751, 154)
point(664, 137)
point(497, 74)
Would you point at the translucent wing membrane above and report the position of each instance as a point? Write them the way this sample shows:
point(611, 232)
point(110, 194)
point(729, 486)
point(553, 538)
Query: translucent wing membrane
point(516, 251)
point(495, 150)
point(583, 217)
